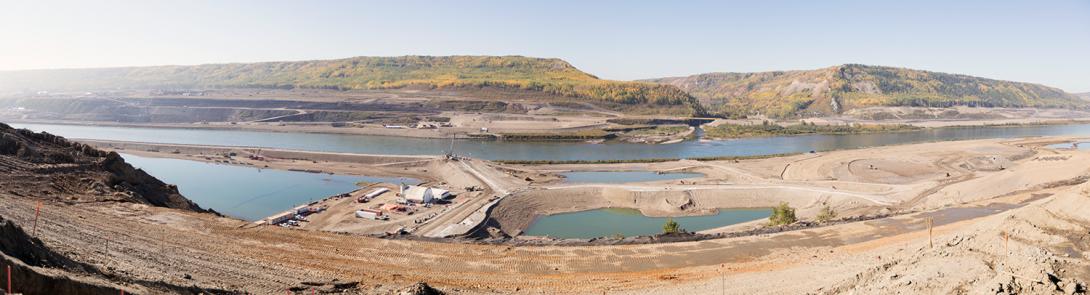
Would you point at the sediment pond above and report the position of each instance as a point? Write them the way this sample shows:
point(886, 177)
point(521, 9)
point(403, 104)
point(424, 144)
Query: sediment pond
point(246, 192)
point(630, 222)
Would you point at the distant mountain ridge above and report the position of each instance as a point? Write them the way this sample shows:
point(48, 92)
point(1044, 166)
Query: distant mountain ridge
point(824, 91)
point(548, 76)
point(835, 89)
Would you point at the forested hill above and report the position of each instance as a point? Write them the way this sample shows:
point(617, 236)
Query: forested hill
point(548, 76)
point(839, 88)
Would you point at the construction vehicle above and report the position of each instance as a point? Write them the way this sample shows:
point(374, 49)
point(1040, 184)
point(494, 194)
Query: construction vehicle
point(256, 156)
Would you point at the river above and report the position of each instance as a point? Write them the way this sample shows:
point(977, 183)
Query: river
point(502, 150)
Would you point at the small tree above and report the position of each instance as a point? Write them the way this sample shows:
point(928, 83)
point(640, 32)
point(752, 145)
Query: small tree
point(782, 215)
point(671, 226)
point(826, 214)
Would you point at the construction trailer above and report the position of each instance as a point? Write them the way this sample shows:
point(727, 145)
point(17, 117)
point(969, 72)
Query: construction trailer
point(371, 195)
point(301, 210)
point(370, 214)
point(281, 218)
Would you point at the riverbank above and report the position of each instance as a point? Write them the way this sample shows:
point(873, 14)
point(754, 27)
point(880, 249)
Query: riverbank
point(767, 129)
point(592, 129)
point(579, 130)
point(280, 159)
point(556, 152)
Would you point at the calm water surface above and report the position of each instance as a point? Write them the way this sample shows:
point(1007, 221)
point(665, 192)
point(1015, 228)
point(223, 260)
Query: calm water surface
point(500, 150)
point(622, 176)
point(629, 222)
point(1081, 146)
point(246, 192)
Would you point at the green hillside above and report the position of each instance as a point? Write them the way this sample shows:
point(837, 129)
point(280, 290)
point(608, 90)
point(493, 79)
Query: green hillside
point(836, 89)
point(553, 77)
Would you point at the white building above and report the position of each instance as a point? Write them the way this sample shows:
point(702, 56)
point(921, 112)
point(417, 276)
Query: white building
point(422, 194)
point(440, 194)
point(417, 194)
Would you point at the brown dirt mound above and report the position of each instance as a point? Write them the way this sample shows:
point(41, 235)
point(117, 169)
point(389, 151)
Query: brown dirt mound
point(50, 167)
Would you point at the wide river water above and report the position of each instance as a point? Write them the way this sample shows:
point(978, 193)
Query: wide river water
point(502, 150)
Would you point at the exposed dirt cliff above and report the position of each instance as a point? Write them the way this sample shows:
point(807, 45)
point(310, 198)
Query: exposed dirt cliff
point(46, 166)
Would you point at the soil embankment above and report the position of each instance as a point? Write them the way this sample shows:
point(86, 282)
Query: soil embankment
point(36, 269)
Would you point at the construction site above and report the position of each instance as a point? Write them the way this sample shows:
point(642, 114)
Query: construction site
point(980, 216)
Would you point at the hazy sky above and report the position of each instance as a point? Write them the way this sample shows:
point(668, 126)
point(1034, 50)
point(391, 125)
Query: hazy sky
point(1035, 41)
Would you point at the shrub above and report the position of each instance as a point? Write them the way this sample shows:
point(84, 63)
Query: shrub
point(671, 226)
point(826, 214)
point(782, 214)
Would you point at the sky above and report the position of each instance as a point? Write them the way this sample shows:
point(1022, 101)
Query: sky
point(1046, 41)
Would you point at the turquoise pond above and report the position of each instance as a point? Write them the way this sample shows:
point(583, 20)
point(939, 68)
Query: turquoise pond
point(246, 192)
point(630, 222)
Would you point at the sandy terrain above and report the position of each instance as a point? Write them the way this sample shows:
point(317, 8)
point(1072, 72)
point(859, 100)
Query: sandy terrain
point(325, 162)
